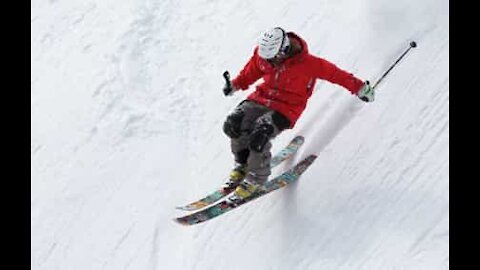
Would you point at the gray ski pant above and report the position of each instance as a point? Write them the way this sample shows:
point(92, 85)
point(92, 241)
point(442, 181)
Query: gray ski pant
point(258, 163)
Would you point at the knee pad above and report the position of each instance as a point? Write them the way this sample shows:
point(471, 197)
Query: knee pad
point(232, 126)
point(280, 121)
point(260, 136)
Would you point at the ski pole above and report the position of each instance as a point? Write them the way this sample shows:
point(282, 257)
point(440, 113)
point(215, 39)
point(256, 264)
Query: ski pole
point(413, 44)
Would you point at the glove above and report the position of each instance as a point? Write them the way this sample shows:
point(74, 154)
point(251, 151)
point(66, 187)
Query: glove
point(229, 89)
point(366, 93)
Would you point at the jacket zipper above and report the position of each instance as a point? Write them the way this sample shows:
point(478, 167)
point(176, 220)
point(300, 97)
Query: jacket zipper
point(275, 88)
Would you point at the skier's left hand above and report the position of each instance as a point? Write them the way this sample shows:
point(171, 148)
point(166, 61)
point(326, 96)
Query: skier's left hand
point(366, 93)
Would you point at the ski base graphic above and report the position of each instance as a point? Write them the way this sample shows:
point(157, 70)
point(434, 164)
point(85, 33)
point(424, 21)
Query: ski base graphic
point(232, 202)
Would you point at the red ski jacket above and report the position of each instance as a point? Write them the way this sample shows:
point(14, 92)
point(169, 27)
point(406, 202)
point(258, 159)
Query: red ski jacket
point(287, 87)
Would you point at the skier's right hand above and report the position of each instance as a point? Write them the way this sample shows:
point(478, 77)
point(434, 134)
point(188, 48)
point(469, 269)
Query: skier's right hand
point(229, 89)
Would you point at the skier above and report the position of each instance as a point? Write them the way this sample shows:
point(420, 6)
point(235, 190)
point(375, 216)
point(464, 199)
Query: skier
point(289, 71)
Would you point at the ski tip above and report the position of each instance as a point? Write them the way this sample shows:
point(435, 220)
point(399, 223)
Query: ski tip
point(190, 207)
point(299, 139)
point(413, 44)
point(180, 221)
point(193, 206)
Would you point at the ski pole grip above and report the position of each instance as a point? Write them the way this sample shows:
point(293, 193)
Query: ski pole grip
point(226, 75)
point(228, 85)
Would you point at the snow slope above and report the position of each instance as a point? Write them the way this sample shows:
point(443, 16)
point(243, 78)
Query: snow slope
point(127, 111)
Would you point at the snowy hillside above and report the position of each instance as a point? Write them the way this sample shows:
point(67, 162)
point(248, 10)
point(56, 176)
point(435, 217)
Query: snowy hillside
point(127, 114)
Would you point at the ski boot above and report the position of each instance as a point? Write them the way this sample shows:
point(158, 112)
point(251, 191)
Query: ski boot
point(246, 189)
point(236, 177)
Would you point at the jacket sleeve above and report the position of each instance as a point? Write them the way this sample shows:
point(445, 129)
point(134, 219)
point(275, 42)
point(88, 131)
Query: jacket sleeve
point(326, 70)
point(249, 74)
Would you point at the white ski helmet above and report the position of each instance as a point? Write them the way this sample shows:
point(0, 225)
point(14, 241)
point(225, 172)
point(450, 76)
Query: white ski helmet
point(271, 42)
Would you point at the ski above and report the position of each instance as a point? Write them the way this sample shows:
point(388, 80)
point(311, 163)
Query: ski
point(232, 202)
point(221, 192)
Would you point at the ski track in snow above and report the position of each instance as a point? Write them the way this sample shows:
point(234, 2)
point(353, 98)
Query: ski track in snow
point(127, 115)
